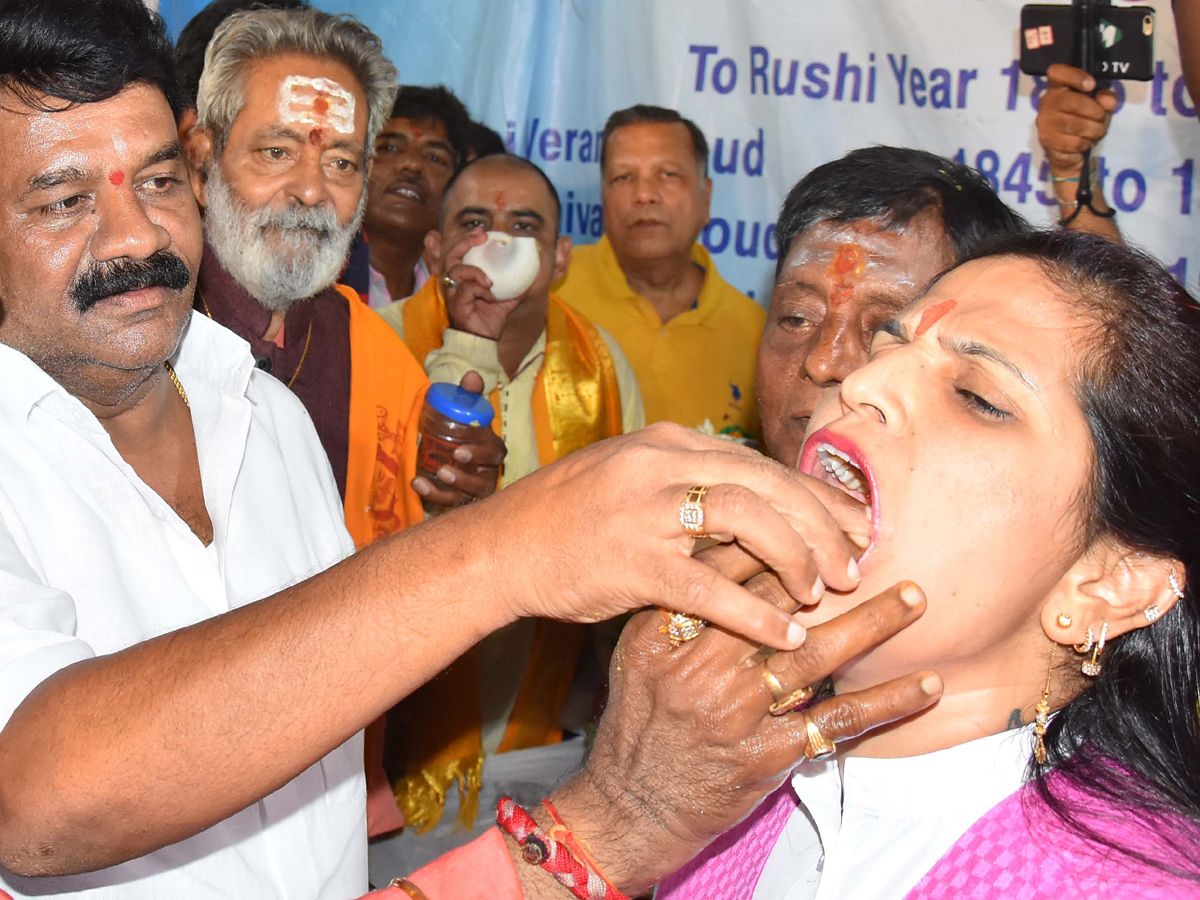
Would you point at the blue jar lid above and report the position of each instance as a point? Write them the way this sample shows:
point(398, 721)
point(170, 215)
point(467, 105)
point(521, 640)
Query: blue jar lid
point(464, 407)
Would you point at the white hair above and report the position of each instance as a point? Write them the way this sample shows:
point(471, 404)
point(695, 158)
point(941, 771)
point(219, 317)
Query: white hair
point(279, 256)
point(248, 37)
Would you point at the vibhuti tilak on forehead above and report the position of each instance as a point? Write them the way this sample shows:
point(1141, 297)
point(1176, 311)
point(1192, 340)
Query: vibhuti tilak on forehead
point(317, 102)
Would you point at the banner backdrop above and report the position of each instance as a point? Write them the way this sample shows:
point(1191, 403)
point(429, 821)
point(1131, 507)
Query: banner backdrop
point(780, 86)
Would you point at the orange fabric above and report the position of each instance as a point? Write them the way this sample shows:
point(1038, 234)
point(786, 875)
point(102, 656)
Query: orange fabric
point(387, 391)
point(576, 402)
point(480, 870)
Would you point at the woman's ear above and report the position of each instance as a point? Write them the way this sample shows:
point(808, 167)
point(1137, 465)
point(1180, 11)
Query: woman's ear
point(1115, 585)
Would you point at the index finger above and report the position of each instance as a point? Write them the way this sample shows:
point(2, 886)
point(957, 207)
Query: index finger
point(1062, 75)
point(455, 254)
point(795, 497)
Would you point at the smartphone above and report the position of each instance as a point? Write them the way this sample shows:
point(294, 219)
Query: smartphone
point(1124, 46)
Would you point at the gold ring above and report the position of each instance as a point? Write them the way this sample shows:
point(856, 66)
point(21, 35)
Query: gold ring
point(691, 512)
point(795, 699)
point(680, 628)
point(777, 690)
point(449, 283)
point(785, 701)
point(818, 746)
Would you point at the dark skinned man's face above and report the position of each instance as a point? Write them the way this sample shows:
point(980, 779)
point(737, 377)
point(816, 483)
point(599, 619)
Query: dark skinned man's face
point(839, 282)
point(100, 235)
point(413, 162)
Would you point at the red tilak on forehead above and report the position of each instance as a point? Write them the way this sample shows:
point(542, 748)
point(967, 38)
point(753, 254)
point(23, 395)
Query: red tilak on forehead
point(117, 178)
point(314, 136)
point(499, 198)
point(321, 106)
point(417, 132)
point(848, 262)
point(931, 315)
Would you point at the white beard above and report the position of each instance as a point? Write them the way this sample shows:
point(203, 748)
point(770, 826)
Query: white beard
point(279, 256)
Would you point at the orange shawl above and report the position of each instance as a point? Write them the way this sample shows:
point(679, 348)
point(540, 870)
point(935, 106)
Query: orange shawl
point(437, 742)
point(387, 391)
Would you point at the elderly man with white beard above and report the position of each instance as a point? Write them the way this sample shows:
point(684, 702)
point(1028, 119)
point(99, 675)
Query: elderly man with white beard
point(289, 105)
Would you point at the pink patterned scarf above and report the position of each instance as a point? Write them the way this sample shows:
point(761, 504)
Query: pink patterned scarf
point(1018, 849)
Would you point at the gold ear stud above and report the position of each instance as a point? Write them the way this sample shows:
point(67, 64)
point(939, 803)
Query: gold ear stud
point(1064, 620)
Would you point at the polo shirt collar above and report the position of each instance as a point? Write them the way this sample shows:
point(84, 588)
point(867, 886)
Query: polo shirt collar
point(617, 285)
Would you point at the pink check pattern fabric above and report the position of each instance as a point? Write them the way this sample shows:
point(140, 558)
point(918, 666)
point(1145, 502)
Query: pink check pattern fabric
point(1019, 849)
point(730, 866)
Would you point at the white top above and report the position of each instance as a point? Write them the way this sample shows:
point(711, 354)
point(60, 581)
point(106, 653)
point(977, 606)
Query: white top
point(93, 561)
point(872, 831)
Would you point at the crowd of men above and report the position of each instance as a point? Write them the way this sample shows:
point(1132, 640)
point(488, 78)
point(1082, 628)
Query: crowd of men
point(322, 216)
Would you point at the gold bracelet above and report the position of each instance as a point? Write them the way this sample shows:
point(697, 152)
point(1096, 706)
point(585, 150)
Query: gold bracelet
point(409, 888)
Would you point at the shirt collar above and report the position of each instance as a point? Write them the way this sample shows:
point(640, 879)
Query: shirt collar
point(977, 774)
point(617, 285)
point(207, 351)
point(215, 354)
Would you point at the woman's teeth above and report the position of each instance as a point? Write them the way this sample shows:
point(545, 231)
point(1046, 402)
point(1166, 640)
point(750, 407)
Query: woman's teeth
point(838, 465)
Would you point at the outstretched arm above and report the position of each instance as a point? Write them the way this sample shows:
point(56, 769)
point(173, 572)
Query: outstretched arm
point(114, 757)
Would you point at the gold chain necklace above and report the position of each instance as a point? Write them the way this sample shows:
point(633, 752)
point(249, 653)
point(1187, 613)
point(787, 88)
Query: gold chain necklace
point(303, 353)
point(175, 381)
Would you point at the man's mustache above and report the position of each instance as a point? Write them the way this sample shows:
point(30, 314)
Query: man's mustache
point(103, 280)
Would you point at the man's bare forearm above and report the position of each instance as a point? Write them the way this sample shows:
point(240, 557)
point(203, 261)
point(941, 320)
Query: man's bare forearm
point(117, 756)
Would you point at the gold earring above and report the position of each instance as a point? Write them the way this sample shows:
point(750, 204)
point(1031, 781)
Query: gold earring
point(1064, 620)
point(1041, 714)
point(1086, 645)
point(1091, 667)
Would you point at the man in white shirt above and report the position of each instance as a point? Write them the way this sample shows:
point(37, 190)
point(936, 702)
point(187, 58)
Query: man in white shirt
point(166, 732)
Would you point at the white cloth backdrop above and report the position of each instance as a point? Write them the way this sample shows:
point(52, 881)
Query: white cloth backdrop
point(780, 86)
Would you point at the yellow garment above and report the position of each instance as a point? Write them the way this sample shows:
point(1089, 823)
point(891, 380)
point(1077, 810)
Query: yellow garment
point(462, 352)
point(437, 741)
point(387, 391)
point(700, 365)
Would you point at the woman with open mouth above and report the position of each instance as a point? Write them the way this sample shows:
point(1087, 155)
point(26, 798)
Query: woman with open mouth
point(1027, 439)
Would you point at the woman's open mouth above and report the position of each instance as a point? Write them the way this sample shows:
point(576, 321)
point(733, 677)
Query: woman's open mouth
point(833, 459)
point(842, 467)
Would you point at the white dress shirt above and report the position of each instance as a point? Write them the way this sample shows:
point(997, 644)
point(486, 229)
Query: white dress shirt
point(92, 561)
point(873, 829)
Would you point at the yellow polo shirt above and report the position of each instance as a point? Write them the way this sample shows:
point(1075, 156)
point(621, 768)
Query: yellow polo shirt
point(700, 365)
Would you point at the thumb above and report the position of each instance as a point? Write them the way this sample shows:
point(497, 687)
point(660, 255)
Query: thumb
point(472, 382)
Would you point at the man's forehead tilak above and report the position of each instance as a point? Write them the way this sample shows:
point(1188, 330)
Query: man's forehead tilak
point(316, 102)
point(847, 252)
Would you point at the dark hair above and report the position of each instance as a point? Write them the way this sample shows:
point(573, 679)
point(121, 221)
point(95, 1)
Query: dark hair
point(643, 114)
point(483, 141)
point(512, 159)
point(1132, 738)
point(83, 51)
point(894, 184)
point(439, 104)
point(193, 40)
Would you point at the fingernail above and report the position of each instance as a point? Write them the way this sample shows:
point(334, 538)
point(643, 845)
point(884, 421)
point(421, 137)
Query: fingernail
point(796, 633)
point(1089, 84)
point(911, 594)
point(931, 685)
point(421, 486)
point(852, 570)
point(446, 475)
point(463, 455)
point(818, 588)
point(861, 541)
